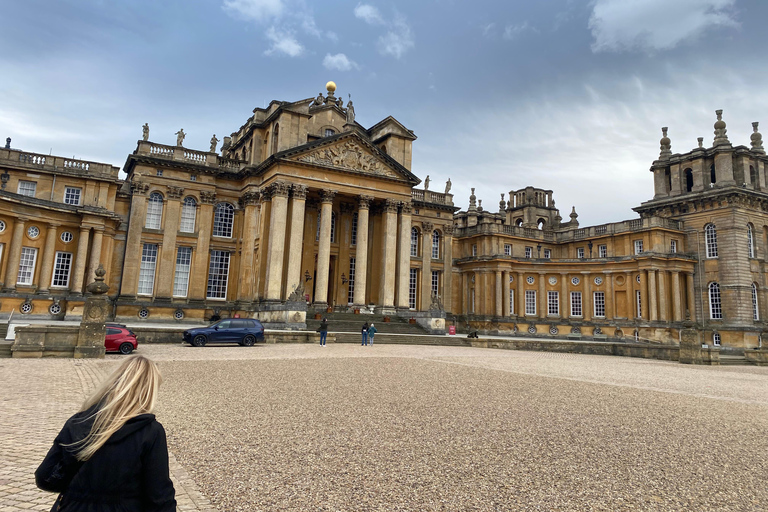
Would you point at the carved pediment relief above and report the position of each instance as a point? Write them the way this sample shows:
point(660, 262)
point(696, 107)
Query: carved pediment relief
point(348, 155)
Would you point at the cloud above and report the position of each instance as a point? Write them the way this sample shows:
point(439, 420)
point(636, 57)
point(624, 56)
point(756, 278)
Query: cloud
point(398, 40)
point(488, 29)
point(652, 25)
point(369, 14)
point(513, 31)
point(338, 62)
point(254, 10)
point(283, 42)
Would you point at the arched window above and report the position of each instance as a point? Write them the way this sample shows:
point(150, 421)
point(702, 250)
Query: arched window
point(710, 238)
point(275, 134)
point(688, 180)
point(715, 306)
point(518, 222)
point(223, 219)
point(750, 241)
point(541, 223)
point(712, 174)
point(154, 211)
point(755, 314)
point(414, 242)
point(435, 244)
point(188, 212)
point(329, 132)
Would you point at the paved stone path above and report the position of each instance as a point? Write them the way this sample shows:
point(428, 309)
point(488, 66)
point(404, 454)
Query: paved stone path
point(525, 429)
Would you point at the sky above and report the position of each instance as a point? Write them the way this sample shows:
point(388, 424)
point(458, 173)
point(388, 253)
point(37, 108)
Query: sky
point(565, 95)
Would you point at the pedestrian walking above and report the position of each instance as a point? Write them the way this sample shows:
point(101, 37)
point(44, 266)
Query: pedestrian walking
point(112, 455)
point(371, 332)
point(323, 331)
point(365, 334)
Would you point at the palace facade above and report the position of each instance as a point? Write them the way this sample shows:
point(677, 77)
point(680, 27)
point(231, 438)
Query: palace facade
point(304, 207)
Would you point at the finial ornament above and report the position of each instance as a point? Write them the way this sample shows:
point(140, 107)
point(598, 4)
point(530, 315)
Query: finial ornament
point(574, 215)
point(472, 200)
point(502, 203)
point(701, 142)
point(666, 145)
point(756, 139)
point(721, 138)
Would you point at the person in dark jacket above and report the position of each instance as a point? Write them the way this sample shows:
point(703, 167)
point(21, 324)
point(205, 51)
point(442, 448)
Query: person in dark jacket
point(365, 334)
point(323, 331)
point(112, 455)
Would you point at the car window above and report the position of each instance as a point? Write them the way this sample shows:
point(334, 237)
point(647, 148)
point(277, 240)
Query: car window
point(113, 331)
point(250, 324)
point(225, 324)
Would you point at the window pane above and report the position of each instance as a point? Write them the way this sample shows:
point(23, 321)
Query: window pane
point(154, 211)
point(530, 302)
point(575, 303)
point(600, 304)
point(147, 269)
point(72, 195)
point(181, 277)
point(435, 282)
point(351, 293)
point(354, 229)
point(412, 288)
point(715, 307)
point(27, 265)
point(223, 219)
point(414, 242)
point(435, 245)
point(61, 269)
point(27, 188)
point(553, 303)
point(218, 272)
point(188, 212)
point(603, 251)
point(710, 235)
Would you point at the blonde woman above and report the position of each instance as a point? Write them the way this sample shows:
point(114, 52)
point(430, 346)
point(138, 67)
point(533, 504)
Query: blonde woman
point(112, 455)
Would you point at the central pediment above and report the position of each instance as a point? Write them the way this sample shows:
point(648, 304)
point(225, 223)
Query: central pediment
point(350, 155)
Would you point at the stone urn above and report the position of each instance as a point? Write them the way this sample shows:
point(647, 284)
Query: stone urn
point(386, 319)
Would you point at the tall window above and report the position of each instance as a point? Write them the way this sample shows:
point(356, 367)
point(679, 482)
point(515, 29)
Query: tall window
point(354, 229)
point(580, 253)
point(181, 277)
point(576, 304)
point(750, 242)
point(154, 211)
point(507, 250)
point(435, 244)
point(673, 246)
point(638, 304)
point(638, 246)
point(61, 269)
point(147, 269)
point(223, 220)
point(710, 238)
point(351, 292)
point(435, 282)
point(27, 188)
point(715, 307)
point(72, 195)
point(688, 180)
point(188, 212)
point(27, 265)
point(511, 302)
point(218, 274)
point(529, 252)
point(474, 249)
point(414, 242)
point(553, 303)
point(755, 313)
point(599, 304)
point(602, 251)
point(547, 254)
point(412, 280)
point(712, 174)
point(530, 302)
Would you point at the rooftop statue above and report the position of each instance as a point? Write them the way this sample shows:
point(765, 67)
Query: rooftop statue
point(318, 101)
point(426, 182)
point(180, 137)
point(448, 186)
point(350, 112)
point(214, 141)
point(145, 131)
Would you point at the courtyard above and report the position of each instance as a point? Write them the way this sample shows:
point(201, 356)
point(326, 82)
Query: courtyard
point(299, 427)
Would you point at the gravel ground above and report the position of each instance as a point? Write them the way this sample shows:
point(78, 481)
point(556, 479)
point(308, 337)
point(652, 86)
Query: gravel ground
point(297, 427)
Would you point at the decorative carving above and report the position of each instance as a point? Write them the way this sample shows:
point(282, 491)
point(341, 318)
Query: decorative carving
point(139, 188)
point(365, 202)
point(207, 197)
point(280, 189)
point(575, 330)
point(666, 145)
point(347, 155)
point(250, 198)
point(427, 228)
point(448, 230)
point(720, 132)
point(350, 112)
point(756, 139)
point(390, 205)
point(299, 191)
point(174, 192)
point(426, 182)
point(326, 196)
point(406, 207)
point(436, 304)
point(98, 286)
point(448, 186)
point(297, 295)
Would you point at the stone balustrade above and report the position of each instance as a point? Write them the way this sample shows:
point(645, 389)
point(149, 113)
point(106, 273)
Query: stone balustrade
point(37, 161)
point(428, 196)
point(180, 153)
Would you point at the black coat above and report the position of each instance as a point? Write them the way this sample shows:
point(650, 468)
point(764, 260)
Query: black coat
point(129, 473)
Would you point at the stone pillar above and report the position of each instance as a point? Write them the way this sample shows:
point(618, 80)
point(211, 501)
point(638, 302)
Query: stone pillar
point(90, 337)
point(389, 255)
point(324, 247)
point(426, 265)
point(521, 294)
point(465, 293)
point(586, 300)
point(448, 266)
point(96, 243)
point(543, 307)
point(361, 256)
point(499, 294)
point(691, 297)
point(276, 251)
point(14, 254)
point(130, 278)
point(505, 298)
point(663, 302)
point(167, 263)
point(677, 314)
point(404, 257)
point(295, 244)
point(652, 295)
point(46, 269)
point(565, 298)
point(198, 287)
point(643, 295)
point(609, 306)
point(249, 202)
point(76, 284)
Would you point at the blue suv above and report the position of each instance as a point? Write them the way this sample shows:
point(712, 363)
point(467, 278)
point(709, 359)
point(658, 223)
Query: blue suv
point(245, 331)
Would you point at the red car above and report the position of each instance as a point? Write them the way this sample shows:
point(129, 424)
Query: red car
point(120, 339)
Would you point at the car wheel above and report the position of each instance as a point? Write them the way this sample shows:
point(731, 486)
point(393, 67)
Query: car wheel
point(198, 341)
point(249, 340)
point(126, 348)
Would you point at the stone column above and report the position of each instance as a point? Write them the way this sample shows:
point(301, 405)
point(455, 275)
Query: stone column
point(76, 284)
point(167, 263)
point(663, 302)
point(610, 312)
point(324, 248)
point(448, 266)
point(677, 314)
point(652, 295)
point(465, 293)
point(389, 254)
point(14, 254)
point(505, 298)
point(295, 244)
point(565, 298)
point(426, 265)
point(586, 301)
point(644, 304)
point(46, 269)
point(543, 307)
point(499, 294)
point(132, 263)
point(249, 202)
point(691, 296)
point(361, 255)
point(96, 243)
point(521, 294)
point(276, 251)
point(404, 256)
point(198, 286)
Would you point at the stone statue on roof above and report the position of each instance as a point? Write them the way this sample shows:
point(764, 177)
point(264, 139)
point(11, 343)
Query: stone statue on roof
point(318, 101)
point(180, 137)
point(214, 141)
point(448, 186)
point(426, 182)
point(145, 131)
point(350, 112)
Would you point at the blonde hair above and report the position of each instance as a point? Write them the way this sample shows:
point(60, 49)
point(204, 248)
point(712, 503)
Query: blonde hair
point(131, 390)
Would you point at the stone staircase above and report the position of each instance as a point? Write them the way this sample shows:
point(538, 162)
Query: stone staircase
point(352, 323)
point(5, 348)
point(732, 360)
point(405, 339)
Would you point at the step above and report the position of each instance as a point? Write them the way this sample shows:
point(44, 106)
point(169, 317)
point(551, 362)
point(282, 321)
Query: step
point(5, 349)
point(733, 360)
point(386, 339)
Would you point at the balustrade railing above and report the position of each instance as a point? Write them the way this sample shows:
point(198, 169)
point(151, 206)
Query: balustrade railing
point(55, 163)
point(195, 156)
point(77, 164)
point(31, 158)
point(428, 196)
point(158, 150)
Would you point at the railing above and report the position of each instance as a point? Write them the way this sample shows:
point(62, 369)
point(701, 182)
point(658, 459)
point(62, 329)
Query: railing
point(157, 150)
point(229, 165)
point(31, 158)
point(195, 156)
point(192, 156)
point(77, 164)
point(428, 196)
point(635, 224)
point(55, 163)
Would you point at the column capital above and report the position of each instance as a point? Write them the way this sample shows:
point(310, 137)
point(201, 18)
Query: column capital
point(250, 198)
point(406, 207)
point(139, 188)
point(312, 204)
point(326, 196)
point(448, 229)
point(84, 228)
point(22, 220)
point(299, 191)
point(279, 189)
point(207, 197)
point(427, 227)
point(365, 202)
point(390, 205)
point(174, 192)
point(98, 228)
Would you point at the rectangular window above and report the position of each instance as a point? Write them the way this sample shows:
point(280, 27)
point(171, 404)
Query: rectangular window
point(354, 229)
point(599, 304)
point(159, 172)
point(412, 280)
point(511, 302)
point(507, 250)
point(602, 251)
point(351, 293)
point(638, 246)
point(61, 269)
point(72, 195)
point(530, 302)
point(218, 275)
point(529, 252)
point(553, 303)
point(639, 302)
point(576, 304)
point(147, 269)
point(580, 253)
point(547, 253)
point(435, 245)
point(474, 250)
point(673, 246)
point(27, 188)
point(27, 265)
point(181, 277)
point(435, 282)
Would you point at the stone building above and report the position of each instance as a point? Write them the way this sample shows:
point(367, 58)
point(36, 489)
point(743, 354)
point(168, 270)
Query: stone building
point(304, 207)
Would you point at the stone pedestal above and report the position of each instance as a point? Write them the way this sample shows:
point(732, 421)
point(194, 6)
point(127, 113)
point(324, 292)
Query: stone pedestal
point(692, 352)
point(90, 337)
point(290, 315)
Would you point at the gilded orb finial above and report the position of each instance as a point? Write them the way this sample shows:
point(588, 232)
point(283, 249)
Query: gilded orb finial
point(330, 87)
